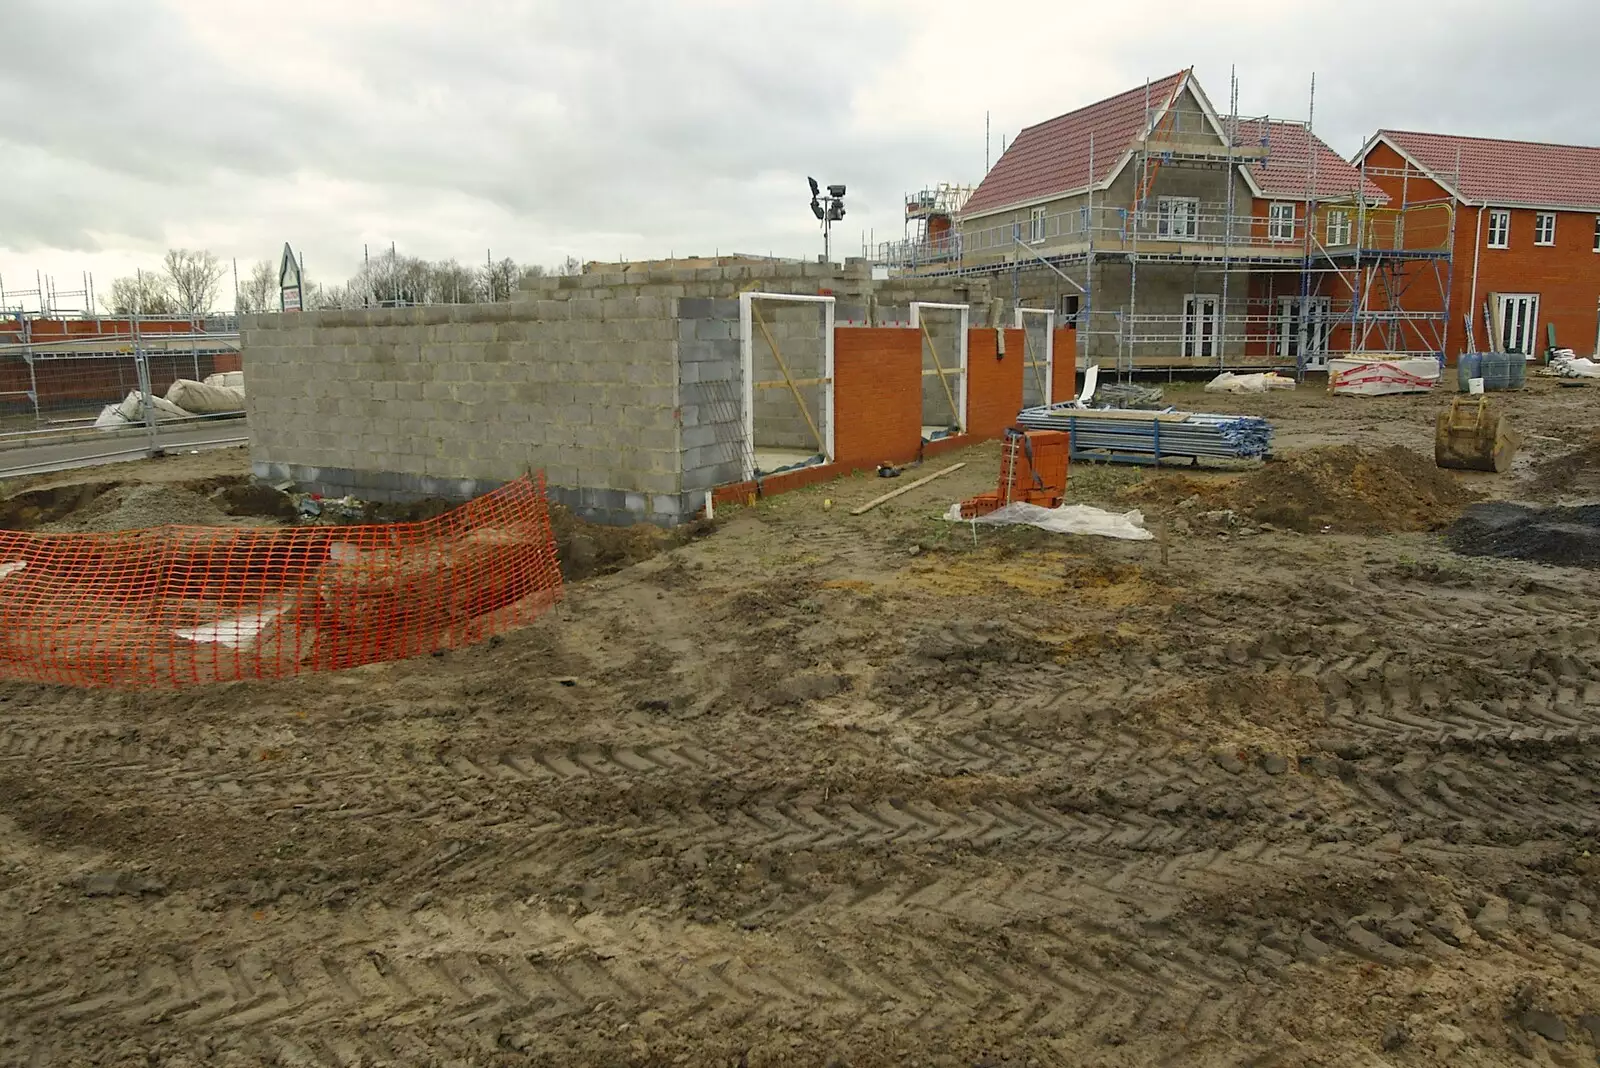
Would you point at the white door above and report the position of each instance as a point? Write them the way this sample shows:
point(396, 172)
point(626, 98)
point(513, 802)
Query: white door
point(1519, 322)
point(1200, 325)
point(1304, 327)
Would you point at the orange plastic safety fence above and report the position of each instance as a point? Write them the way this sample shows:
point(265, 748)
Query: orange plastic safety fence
point(180, 606)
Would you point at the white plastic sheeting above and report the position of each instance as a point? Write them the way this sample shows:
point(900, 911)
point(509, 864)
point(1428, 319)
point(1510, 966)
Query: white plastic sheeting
point(131, 412)
point(219, 394)
point(203, 398)
point(1374, 376)
point(7, 570)
point(1068, 519)
point(1574, 367)
point(1228, 382)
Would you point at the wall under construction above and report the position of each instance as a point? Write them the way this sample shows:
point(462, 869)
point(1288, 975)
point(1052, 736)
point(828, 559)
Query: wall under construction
point(626, 390)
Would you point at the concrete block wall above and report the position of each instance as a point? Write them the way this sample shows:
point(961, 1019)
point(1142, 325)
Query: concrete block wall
point(710, 394)
point(450, 401)
point(626, 390)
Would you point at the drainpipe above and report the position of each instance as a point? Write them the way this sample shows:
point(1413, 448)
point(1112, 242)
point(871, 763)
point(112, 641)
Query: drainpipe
point(1477, 249)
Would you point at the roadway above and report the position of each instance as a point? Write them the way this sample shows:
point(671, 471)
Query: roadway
point(38, 458)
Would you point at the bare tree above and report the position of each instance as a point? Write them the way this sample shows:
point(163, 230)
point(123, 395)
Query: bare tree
point(500, 279)
point(569, 266)
point(144, 294)
point(193, 278)
point(259, 291)
point(319, 297)
point(452, 283)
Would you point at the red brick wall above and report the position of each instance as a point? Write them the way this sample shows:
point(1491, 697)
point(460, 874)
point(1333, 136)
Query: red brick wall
point(877, 401)
point(994, 383)
point(877, 395)
point(1566, 276)
point(1064, 365)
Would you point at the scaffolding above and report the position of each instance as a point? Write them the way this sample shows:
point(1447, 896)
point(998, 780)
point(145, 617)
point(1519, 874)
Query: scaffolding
point(61, 363)
point(1340, 272)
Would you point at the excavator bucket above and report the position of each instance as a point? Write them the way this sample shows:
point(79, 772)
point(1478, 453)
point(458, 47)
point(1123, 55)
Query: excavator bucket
point(1473, 436)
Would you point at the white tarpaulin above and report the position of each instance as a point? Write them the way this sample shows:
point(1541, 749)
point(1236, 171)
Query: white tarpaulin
point(1068, 519)
point(131, 412)
point(202, 398)
point(1228, 382)
point(1575, 367)
point(1375, 375)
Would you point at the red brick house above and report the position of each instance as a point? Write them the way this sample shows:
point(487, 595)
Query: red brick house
point(1526, 235)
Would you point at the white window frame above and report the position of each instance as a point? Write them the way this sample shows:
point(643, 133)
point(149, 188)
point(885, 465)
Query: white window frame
point(1597, 233)
point(1036, 225)
point(1279, 214)
point(1341, 234)
point(1499, 219)
point(1540, 236)
point(1166, 217)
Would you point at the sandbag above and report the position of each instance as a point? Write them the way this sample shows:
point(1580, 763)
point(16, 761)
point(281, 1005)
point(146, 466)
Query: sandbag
point(226, 380)
point(199, 398)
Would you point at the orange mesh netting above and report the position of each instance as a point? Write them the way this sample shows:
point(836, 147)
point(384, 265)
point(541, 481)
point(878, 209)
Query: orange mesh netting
point(178, 606)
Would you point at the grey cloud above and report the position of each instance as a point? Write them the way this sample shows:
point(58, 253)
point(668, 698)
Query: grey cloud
point(652, 126)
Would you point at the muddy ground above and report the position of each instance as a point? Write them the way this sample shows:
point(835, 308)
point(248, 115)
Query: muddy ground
point(869, 791)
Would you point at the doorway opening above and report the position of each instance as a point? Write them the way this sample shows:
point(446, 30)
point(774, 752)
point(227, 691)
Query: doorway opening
point(786, 345)
point(944, 367)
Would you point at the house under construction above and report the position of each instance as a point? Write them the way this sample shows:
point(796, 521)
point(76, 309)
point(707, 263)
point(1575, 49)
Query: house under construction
point(1179, 237)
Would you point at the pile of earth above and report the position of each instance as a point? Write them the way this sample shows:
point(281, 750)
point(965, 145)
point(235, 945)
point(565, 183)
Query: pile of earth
point(1565, 536)
point(1575, 473)
point(1337, 488)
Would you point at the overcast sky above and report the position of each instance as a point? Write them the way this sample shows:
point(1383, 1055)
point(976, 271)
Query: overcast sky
point(640, 129)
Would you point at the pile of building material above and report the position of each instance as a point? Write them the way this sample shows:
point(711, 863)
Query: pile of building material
point(1228, 382)
point(1376, 374)
point(1119, 436)
point(219, 394)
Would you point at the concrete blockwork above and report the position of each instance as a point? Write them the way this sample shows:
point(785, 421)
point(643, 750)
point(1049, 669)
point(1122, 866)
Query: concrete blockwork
point(626, 391)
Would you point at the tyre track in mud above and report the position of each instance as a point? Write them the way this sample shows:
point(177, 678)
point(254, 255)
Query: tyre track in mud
point(1003, 872)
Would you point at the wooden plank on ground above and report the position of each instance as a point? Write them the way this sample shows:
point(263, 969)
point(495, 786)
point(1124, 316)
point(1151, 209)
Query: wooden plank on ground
point(907, 488)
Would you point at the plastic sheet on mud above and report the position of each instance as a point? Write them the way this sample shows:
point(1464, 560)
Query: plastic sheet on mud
point(1068, 519)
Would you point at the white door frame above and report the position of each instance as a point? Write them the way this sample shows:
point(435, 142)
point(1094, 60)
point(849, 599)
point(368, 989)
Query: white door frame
point(966, 319)
point(1198, 337)
point(747, 356)
point(1530, 335)
point(1049, 346)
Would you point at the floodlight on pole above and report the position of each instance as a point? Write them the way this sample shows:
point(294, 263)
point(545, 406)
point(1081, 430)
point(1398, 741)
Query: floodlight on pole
point(828, 209)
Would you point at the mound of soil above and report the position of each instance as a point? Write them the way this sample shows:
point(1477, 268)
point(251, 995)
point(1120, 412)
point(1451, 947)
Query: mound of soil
point(1574, 473)
point(1353, 490)
point(1342, 488)
point(136, 507)
point(1565, 536)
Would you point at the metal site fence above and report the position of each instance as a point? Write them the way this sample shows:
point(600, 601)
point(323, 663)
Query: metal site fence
point(181, 606)
point(61, 374)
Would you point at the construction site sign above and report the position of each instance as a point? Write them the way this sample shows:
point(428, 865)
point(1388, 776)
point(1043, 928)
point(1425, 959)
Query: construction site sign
point(289, 281)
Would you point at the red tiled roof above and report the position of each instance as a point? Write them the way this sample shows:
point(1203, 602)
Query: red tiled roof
point(1507, 172)
point(1286, 172)
point(1053, 157)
